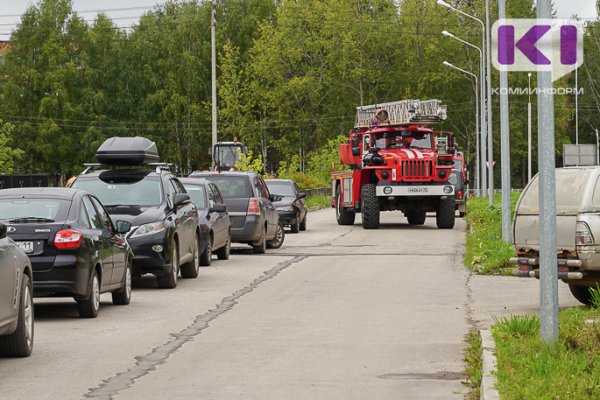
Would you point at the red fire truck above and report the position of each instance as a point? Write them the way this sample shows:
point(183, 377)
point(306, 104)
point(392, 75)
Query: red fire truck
point(396, 163)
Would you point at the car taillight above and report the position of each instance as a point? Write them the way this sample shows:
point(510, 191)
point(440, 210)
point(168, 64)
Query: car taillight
point(459, 194)
point(253, 207)
point(583, 234)
point(68, 239)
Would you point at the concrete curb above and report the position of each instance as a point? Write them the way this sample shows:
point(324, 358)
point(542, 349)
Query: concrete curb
point(488, 390)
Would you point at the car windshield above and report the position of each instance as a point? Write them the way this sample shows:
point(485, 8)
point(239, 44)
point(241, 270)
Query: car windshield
point(281, 188)
point(197, 193)
point(33, 210)
point(232, 186)
point(121, 191)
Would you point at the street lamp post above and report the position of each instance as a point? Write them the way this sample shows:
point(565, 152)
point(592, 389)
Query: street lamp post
point(529, 129)
point(484, 126)
point(446, 63)
point(480, 164)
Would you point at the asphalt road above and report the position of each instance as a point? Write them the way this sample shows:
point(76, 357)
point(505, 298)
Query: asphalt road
point(336, 313)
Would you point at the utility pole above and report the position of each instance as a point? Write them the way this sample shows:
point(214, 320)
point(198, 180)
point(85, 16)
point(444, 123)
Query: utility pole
point(504, 143)
point(547, 198)
point(213, 59)
point(489, 106)
point(597, 148)
point(577, 115)
point(529, 130)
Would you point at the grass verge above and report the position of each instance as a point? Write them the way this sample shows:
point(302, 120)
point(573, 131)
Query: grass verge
point(473, 359)
point(486, 253)
point(319, 201)
point(530, 369)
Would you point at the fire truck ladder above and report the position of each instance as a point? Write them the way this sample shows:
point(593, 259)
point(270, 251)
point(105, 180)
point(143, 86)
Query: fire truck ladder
point(402, 112)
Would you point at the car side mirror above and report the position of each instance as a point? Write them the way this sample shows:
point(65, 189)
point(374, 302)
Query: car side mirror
point(3, 230)
point(356, 151)
point(302, 195)
point(180, 198)
point(122, 227)
point(217, 207)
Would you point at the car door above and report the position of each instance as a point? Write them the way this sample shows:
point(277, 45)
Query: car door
point(116, 242)
point(102, 246)
point(184, 214)
point(269, 209)
point(7, 281)
point(219, 219)
point(300, 203)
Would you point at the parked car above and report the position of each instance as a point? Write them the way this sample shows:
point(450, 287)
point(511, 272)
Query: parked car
point(460, 189)
point(213, 218)
point(164, 234)
point(16, 299)
point(254, 219)
point(74, 247)
point(290, 204)
point(577, 229)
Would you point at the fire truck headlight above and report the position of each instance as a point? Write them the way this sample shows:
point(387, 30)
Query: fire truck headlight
point(387, 190)
point(448, 189)
point(442, 174)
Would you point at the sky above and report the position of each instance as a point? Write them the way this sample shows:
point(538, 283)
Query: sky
point(11, 9)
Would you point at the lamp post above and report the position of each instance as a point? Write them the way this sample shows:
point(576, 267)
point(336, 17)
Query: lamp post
point(480, 166)
point(447, 64)
point(529, 129)
point(484, 126)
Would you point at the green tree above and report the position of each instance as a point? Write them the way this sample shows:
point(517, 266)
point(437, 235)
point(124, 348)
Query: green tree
point(8, 154)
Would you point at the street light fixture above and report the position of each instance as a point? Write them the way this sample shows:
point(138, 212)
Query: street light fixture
point(480, 164)
point(480, 171)
point(485, 50)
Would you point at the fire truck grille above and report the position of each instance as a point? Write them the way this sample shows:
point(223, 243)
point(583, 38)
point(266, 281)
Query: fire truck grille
point(416, 168)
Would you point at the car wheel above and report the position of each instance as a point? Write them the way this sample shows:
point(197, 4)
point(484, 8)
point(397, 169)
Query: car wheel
point(261, 248)
point(191, 269)
point(169, 281)
point(581, 293)
point(88, 308)
point(277, 241)
point(303, 223)
point(20, 342)
point(224, 252)
point(122, 297)
point(296, 225)
point(206, 256)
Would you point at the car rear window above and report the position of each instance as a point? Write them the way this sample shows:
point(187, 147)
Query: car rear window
point(197, 193)
point(570, 185)
point(113, 191)
point(281, 188)
point(33, 210)
point(233, 187)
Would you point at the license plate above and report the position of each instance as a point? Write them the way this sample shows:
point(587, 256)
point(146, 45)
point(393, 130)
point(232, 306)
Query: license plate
point(27, 247)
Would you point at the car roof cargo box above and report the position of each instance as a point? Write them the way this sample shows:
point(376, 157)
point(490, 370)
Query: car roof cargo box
point(127, 151)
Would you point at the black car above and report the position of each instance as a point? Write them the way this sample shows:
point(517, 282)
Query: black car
point(254, 219)
point(74, 247)
point(290, 205)
point(164, 235)
point(215, 231)
point(16, 299)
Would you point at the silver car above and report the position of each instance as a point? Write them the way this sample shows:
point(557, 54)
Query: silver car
point(577, 229)
point(16, 300)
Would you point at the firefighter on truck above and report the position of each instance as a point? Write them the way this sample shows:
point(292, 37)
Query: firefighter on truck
point(396, 163)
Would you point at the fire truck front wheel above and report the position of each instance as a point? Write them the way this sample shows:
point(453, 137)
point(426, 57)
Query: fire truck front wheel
point(446, 213)
point(370, 207)
point(343, 215)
